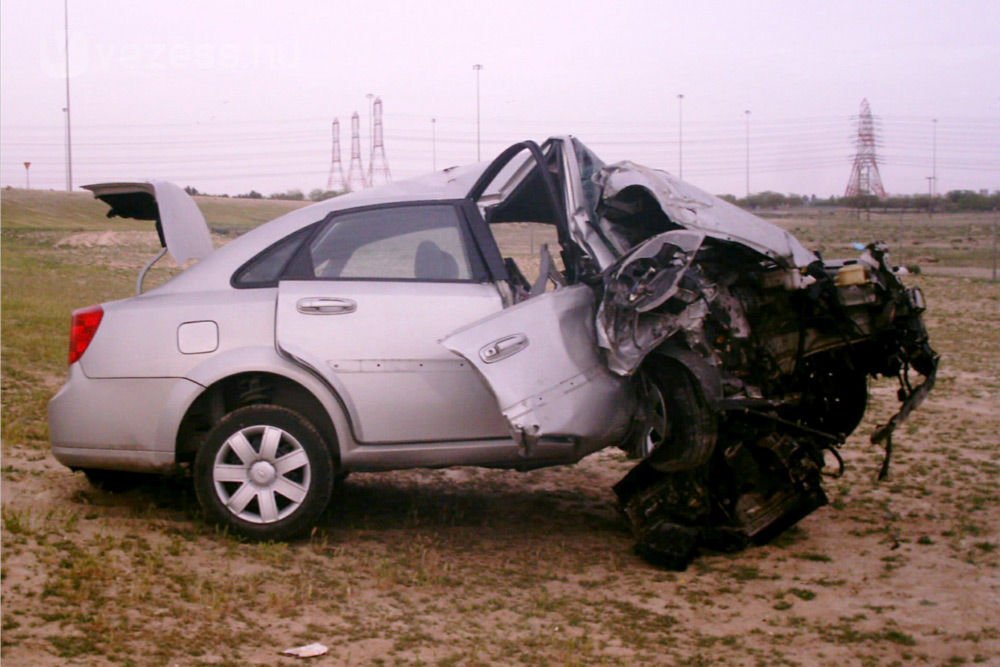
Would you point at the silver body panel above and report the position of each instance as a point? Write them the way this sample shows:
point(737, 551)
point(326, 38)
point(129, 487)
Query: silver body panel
point(121, 423)
point(141, 337)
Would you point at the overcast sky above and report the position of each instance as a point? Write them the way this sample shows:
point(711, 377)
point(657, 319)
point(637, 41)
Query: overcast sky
point(229, 96)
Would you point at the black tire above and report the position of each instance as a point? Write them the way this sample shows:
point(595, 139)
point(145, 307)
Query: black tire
point(834, 394)
point(691, 430)
point(115, 481)
point(264, 472)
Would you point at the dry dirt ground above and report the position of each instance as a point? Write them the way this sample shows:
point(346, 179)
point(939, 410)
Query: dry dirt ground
point(470, 566)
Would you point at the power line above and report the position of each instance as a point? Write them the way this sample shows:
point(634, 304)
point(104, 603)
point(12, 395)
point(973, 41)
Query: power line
point(298, 147)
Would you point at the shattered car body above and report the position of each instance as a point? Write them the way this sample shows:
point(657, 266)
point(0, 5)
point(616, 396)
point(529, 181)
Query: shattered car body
point(385, 330)
point(782, 366)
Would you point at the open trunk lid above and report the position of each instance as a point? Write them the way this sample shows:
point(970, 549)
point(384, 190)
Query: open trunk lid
point(179, 222)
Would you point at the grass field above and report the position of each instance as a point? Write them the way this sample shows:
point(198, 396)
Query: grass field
point(469, 566)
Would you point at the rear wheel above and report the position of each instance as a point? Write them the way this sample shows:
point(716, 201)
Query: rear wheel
point(265, 472)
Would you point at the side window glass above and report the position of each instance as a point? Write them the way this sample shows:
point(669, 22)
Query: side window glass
point(393, 243)
point(265, 269)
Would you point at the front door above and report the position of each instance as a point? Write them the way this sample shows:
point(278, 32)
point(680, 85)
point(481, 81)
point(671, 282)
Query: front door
point(540, 356)
point(541, 359)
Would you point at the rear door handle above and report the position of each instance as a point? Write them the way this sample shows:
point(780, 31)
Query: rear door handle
point(323, 305)
point(503, 348)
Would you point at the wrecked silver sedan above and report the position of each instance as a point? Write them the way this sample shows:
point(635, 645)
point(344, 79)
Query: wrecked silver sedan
point(385, 329)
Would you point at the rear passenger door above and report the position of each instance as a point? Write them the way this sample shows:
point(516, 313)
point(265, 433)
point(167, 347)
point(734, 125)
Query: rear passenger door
point(364, 303)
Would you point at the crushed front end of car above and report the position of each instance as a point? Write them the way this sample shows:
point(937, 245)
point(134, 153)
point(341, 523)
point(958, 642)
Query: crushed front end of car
point(752, 358)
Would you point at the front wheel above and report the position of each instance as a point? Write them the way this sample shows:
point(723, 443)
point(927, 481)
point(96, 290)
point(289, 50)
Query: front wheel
point(679, 428)
point(265, 472)
point(655, 424)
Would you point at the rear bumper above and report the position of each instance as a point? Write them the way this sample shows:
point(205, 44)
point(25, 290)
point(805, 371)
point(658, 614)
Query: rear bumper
point(118, 423)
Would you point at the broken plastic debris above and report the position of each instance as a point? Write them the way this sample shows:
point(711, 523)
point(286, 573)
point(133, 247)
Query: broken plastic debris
point(308, 651)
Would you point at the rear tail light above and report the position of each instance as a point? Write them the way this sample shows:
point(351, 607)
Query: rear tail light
point(85, 323)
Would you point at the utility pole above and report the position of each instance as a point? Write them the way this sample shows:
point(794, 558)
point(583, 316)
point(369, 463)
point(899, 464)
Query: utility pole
point(69, 137)
point(930, 197)
point(434, 150)
point(680, 136)
point(746, 114)
point(478, 68)
point(27, 175)
point(934, 156)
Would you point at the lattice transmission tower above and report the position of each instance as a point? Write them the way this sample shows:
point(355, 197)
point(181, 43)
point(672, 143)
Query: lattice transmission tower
point(355, 172)
point(865, 179)
point(378, 165)
point(336, 181)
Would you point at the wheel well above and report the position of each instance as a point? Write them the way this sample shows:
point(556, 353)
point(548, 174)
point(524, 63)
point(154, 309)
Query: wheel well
point(236, 391)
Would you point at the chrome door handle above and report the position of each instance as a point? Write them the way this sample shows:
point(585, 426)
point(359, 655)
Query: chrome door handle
point(503, 348)
point(321, 305)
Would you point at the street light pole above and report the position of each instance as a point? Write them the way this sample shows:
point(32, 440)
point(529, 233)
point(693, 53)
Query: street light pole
point(934, 157)
point(69, 137)
point(434, 154)
point(478, 68)
point(930, 197)
point(746, 115)
point(680, 136)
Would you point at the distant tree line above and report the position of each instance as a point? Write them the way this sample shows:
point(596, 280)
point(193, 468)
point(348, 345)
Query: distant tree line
point(954, 200)
point(290, 195)
point(295, 195)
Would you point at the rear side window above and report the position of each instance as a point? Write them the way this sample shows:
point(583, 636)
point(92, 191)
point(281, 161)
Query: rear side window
point(265, 269)
point(424, 242)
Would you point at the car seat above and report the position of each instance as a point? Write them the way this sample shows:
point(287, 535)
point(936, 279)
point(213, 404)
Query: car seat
point(433, 263)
